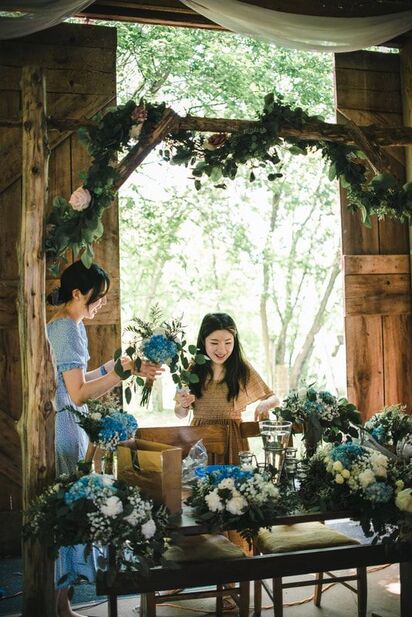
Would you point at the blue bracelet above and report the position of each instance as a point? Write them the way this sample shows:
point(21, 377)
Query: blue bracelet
point(103, 370)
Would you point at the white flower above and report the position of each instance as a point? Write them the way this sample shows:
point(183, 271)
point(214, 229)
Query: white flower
point(236, 505)
point(337, 466)
point(400, 484)
point(366, 478)
point(96, 415)
point(213, 501)
point(112, 507)
point(80, 199)
point(345, 473)
point(404, 500)
point(227, 483)
point(135, 131)
point(159, 331)
point(149, 529)
point(339, 479)
point(107, 480)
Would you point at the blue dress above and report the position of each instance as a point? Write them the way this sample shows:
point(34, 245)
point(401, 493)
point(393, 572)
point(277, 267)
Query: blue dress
point(68, 340)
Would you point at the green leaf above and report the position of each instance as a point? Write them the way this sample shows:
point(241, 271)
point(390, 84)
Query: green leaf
point(128, 395)
point(192, 349)
point(198, 185)
point(130, 351)
point(193, 378)
point(201, 358)
point(118, 369)
point(117, 354)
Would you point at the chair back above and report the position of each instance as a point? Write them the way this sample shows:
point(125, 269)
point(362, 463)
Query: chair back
point(214, 438)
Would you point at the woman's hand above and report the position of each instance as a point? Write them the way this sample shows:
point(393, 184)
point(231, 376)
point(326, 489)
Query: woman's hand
point(185, 399)
point(149, 370)
point(261, 412)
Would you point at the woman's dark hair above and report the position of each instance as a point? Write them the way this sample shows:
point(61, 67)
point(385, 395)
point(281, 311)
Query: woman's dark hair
point(77, 276)
point(236, 369)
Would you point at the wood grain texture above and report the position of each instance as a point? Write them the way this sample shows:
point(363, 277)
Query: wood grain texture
point(376, 264)
point(397, 342)
point(365, 368)
point(377, 294)
point(36, 425)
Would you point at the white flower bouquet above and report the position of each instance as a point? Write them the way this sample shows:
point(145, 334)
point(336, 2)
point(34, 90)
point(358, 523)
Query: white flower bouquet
point(322, 415)
point(358, 479)
point(97, 510)
point(239, 499)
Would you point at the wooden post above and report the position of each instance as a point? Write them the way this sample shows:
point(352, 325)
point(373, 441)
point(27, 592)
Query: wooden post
point(36, 425)
point(406, 83)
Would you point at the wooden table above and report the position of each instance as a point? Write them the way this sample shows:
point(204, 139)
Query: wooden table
point(262, 566)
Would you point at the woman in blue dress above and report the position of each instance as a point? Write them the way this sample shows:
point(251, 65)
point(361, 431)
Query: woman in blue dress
point(81, 294)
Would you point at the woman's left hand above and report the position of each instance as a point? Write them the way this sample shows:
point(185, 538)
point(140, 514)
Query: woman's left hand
point(261, 412)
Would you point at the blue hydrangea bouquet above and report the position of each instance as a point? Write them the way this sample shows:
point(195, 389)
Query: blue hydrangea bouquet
point(106, 424)
point(159, 342)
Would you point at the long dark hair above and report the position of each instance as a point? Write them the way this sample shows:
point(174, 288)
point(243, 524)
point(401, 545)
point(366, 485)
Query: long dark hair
point(77, 276)
point(236, 369)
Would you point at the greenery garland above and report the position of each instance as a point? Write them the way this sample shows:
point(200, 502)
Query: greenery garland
point(219, 157)
point(76, 224)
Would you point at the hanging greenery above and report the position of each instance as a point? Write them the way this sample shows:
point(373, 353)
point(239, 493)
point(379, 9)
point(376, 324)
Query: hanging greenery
point(77, 223)
point(219, 157)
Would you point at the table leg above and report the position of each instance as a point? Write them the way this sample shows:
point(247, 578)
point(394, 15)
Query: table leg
point(405, 570)
point(112, 601)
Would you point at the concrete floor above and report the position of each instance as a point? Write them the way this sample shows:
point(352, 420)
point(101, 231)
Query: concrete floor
point(383, 601)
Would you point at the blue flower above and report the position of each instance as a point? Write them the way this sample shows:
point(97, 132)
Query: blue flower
point(87, 486)
point(118, 425)
point(379, 492)
point(158, 348)
point(346, 453)
point(217, 473)
point(378, 433)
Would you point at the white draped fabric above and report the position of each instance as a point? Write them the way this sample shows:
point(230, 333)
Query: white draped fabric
point(307, 32)
point(29, 16)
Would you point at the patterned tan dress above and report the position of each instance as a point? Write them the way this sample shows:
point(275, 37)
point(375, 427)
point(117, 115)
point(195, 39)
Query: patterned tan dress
point(214, 408)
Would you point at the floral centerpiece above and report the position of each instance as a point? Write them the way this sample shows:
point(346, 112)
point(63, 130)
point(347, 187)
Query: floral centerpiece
point(106, 424)
point(355, 478)
point(159, 342)
point(240, 499)
point(97, 510)
point(392, 429)
point(322, 415)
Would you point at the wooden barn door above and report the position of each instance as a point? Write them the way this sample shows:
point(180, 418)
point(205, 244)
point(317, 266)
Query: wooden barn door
point(80, 69)
point(378, 305)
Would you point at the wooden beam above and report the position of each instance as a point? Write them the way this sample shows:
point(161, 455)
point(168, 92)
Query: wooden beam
point(314, 130)
point(167, 124)
point(36, 425)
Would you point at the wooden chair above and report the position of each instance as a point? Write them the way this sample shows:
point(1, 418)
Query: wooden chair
point(286, 538)
point(301, 536)
point(197, 548)
point(214, 438)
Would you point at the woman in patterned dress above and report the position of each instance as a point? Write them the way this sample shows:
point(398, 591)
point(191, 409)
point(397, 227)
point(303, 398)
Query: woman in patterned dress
point(227, 384)
point(81, 294)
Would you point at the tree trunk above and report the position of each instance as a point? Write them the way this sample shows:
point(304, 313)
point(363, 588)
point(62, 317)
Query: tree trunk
point(317, 323)
point(36, 425)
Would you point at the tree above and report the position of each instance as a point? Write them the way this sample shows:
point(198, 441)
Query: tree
point(253, 250)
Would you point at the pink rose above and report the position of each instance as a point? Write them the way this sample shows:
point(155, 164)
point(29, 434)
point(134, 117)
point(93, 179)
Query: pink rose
point(80, 199)
point(139, 114)
point(215, 141)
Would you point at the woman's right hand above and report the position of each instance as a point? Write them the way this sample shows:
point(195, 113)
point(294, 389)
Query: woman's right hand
point(185, 399)
point(150, 370)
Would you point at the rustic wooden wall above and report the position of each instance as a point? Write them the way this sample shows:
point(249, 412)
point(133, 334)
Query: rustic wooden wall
point(80, 68)
point(378, 301)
